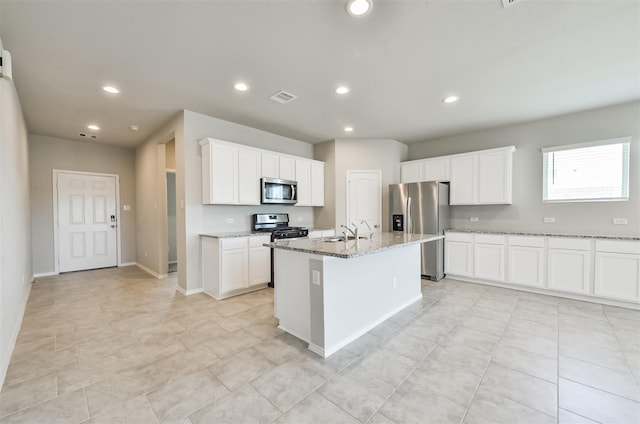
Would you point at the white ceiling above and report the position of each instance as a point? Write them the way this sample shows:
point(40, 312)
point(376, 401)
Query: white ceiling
point(534, 59)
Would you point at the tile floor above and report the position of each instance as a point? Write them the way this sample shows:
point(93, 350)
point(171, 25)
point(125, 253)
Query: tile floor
point(117, 345)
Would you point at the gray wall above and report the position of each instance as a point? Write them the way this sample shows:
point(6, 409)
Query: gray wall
point(342, 155)
point(49, 153)
point(528, 210)
point(171, 216)
point(15, 224)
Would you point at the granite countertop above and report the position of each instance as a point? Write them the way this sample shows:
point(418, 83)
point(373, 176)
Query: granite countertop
point(351, 249)
point(518, 233)
point(250, 233)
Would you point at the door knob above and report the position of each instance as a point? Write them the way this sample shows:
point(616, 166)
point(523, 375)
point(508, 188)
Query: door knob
point(113, 226)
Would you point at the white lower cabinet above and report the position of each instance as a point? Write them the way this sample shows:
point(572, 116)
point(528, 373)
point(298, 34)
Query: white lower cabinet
point(569, 265)
point(459, 254)
point(488, 256)
point(525, 261)
point(234, 265)
point(617, 270)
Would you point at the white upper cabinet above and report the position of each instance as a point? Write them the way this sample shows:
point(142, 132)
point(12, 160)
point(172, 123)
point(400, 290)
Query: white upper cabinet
point(411, 172)
point(303, 177)
point(249, 165)
point(477, 178)
point(220, 165)
point(463, 189)
point(270, 165)
point(231, 174)
point(317, 183)
point(436, 169)
point(287, 168)
point(494, 177)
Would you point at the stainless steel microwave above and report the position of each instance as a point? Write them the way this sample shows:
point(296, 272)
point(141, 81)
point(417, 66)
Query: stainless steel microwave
point(279, 191)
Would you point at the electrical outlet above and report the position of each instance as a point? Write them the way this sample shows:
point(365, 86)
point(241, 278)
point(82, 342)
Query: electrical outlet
point(229, 220)
point(549, 220)
point(145, 254)
point(474, 219)
point(395, 282)
point(315, 277)
point(620, 221)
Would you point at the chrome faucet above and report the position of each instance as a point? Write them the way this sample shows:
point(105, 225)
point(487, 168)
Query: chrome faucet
point(369, 227)
point(355, 234)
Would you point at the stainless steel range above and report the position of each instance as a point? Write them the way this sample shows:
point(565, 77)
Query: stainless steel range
point(278, 225)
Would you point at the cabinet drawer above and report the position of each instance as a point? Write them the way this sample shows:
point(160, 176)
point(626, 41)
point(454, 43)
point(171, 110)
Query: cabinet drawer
point(526, 241)
point(468, 237)
point(489, 238)
point(233, 243)
point(258, 240)
point(570, 243)
point(617, 246)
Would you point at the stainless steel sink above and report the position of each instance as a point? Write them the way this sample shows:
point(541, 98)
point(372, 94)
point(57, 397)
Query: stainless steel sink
point(340, 238)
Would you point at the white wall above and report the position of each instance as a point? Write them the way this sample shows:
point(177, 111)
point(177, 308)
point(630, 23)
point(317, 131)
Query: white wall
point(528, 210)
point(48, 153)
point(342, 155)
point(15, 224)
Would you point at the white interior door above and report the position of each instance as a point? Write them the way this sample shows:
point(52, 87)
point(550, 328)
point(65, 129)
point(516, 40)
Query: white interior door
point(364, 199)
point(87, 221)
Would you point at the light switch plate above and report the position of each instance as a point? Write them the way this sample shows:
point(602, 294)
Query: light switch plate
point(229, 220)
point(126, 207)
point(549, 220)
point(473, 219)
point(620, 221)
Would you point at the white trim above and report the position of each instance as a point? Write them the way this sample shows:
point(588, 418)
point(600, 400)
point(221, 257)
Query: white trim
point(126, 264)
point(14, 338)
point(150, 271)
point(362, 171)
point(44, 274)
point(188, 292)
point(170, 170)
point(328, 351)
point(548, 292)
point(56, 246)
point(595, 143)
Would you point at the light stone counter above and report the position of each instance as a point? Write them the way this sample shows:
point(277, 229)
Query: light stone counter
point(232, 234)
point(352, 249)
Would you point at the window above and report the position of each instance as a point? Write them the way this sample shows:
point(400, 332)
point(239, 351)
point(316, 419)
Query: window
point(587, 172)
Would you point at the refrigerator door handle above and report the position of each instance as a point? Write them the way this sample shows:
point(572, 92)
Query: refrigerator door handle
point(409, 229)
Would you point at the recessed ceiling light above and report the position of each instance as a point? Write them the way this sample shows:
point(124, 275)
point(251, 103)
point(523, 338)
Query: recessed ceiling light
point(348, 129)
point(93, 127)
point(134, 127)
point(450, 99)
point(241, 86)
point(110, 89)
point(343, 89)
point(359, 7)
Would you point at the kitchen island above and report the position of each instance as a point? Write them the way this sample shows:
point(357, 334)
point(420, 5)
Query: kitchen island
point(330, 293)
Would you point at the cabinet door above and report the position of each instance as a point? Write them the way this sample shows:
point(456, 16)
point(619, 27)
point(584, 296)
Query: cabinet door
point(458, 258)
point(287, 168)
point(526, 266)
point(270, 165)
point(488, 261)
point(233, 270)
point(303, 177)
point(317, 184)
point(249, 165)
point(494, 177)
point(224, 174)
point(568, 270)
point(259, 265)
point(618, 276)
point(411, 172)
point(436, 169)
point(463, 189)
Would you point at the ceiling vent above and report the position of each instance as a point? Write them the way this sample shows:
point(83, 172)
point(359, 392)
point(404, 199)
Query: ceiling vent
point(283, 97)
point(507, 3)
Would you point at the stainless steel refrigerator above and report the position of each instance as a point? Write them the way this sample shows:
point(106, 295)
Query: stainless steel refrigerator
point(422, 208)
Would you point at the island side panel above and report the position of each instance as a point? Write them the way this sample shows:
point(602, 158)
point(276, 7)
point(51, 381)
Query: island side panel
point(360, 293)
point(291, 292)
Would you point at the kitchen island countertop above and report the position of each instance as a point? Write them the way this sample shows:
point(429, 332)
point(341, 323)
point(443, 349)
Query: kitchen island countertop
point(351, 249)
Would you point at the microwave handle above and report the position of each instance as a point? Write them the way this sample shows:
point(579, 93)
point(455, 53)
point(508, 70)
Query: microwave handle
point(293, 192)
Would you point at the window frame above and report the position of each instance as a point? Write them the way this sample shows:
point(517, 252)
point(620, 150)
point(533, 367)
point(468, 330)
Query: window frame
point(626, 157)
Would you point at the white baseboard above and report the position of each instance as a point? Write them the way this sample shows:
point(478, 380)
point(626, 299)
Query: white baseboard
point(188, 292)
point(44, 274)
point(127, 264)
point(4, 366)
point(150, 271)
point(548, 292)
